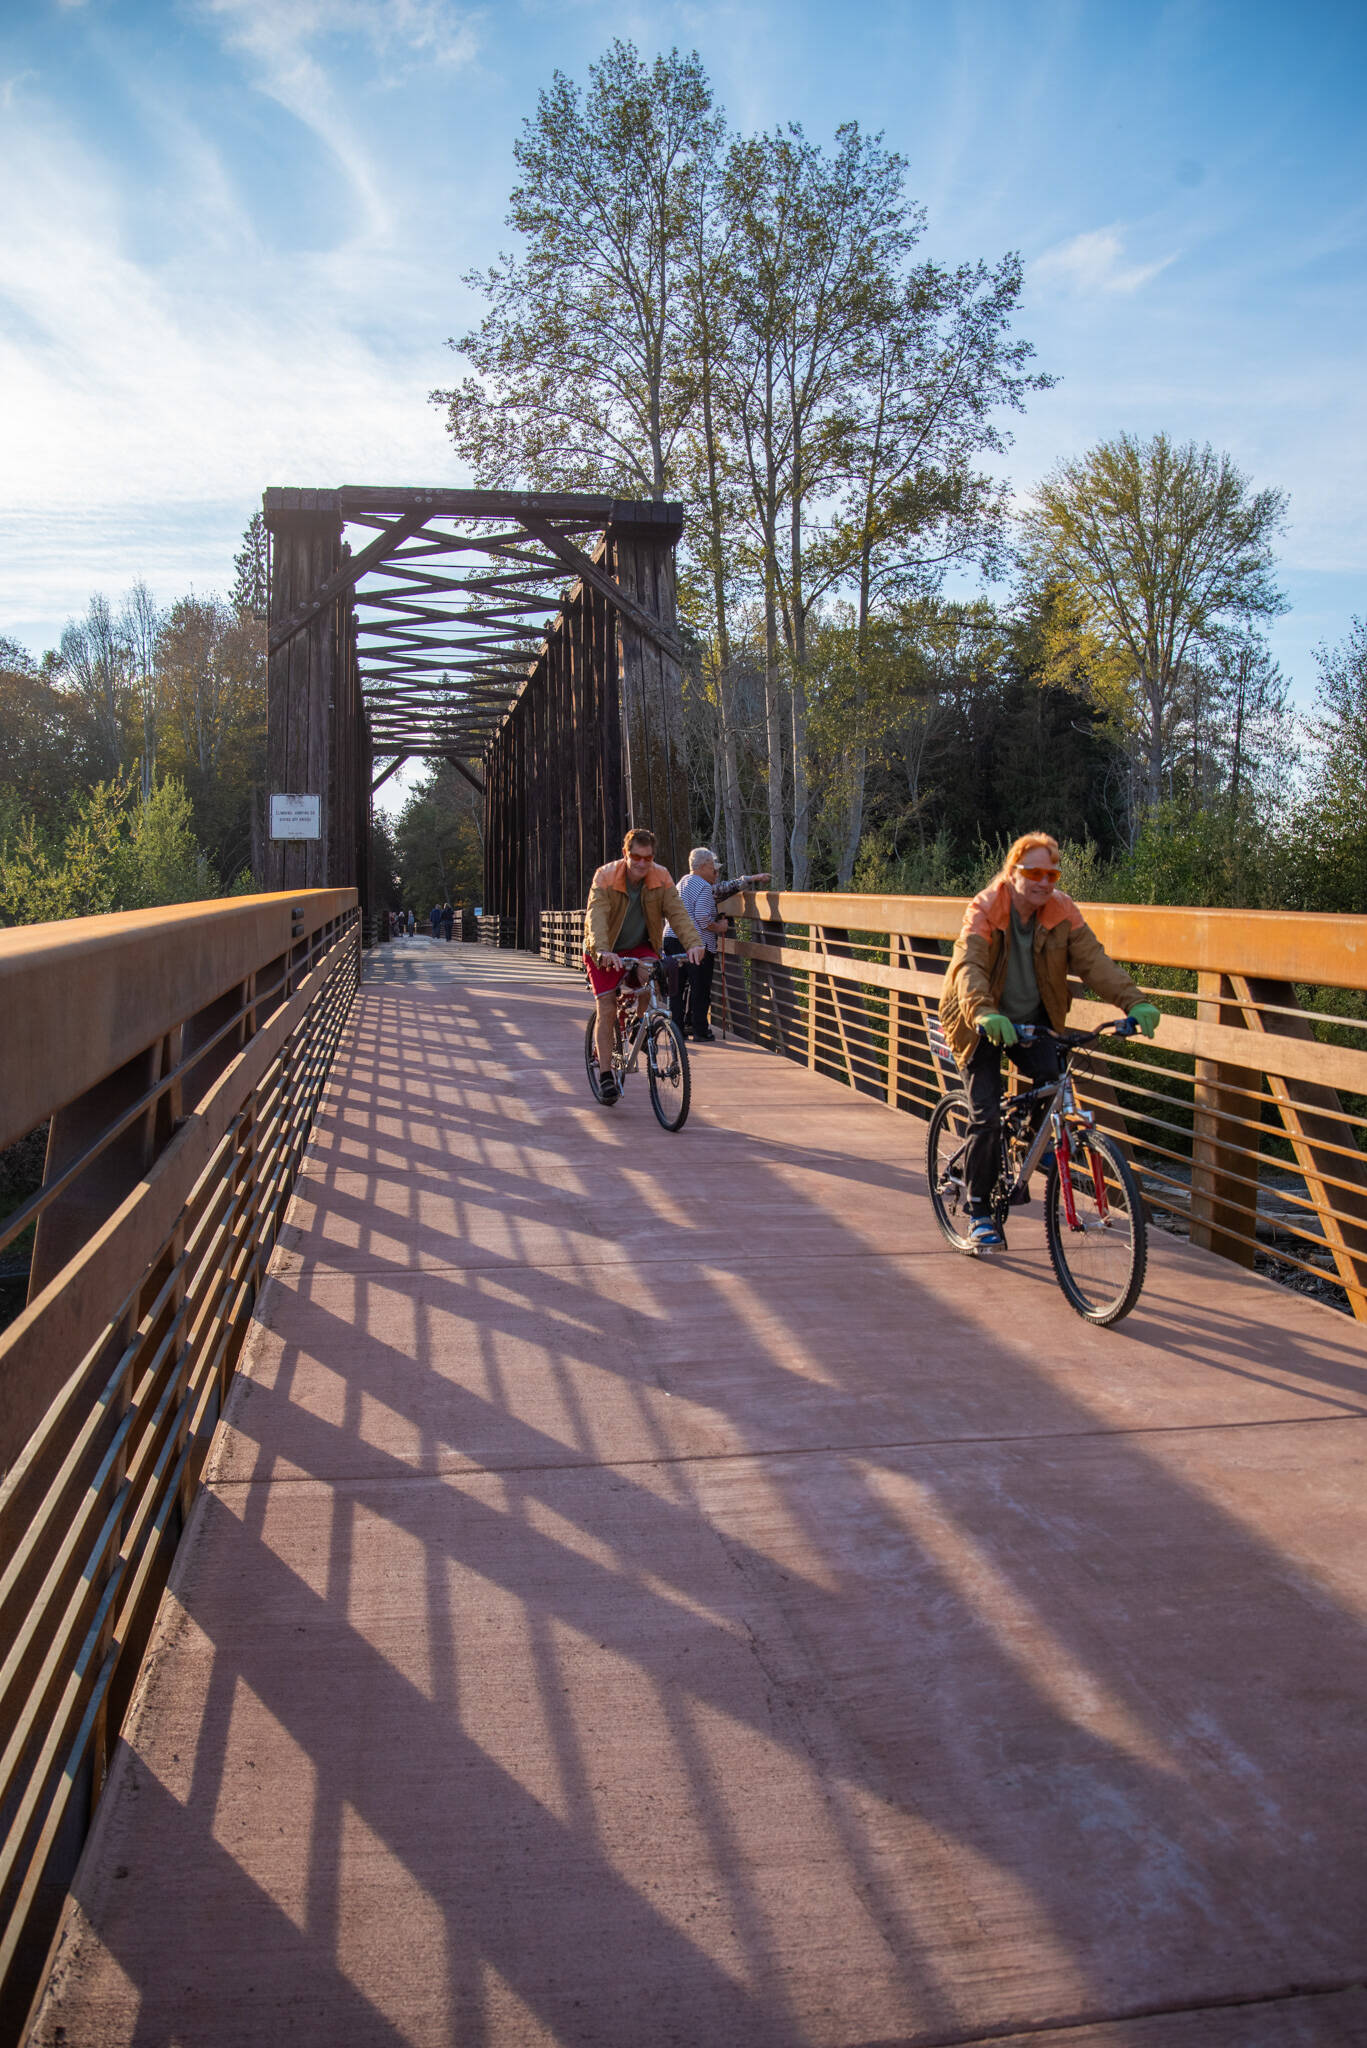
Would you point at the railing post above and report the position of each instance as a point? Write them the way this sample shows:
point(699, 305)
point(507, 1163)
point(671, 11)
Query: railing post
point(1335, 1178)
point(813, 945)
point(1224, 1212)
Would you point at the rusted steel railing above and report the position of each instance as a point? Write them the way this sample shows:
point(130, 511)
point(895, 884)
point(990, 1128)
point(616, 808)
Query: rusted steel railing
point(179, 1056)
point(1245, 1117)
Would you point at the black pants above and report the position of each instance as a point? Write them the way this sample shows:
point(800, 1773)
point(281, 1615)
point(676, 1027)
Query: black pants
point(690, 997)
point(1038, 1061)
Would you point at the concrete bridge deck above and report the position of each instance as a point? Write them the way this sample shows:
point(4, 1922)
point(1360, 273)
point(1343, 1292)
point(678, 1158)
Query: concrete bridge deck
point(650, 1590)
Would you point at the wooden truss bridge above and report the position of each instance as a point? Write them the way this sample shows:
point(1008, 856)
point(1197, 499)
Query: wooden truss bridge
point(529, 638)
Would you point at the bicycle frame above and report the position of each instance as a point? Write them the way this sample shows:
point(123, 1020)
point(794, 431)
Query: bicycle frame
point(1064, 1110)
point(631, 1022)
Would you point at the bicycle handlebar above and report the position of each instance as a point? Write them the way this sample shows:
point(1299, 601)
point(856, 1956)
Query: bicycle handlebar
point(1123, 1027)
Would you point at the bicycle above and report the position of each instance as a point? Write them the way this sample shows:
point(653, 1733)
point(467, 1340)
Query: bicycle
point(654, 1029)
point(1094, 1220)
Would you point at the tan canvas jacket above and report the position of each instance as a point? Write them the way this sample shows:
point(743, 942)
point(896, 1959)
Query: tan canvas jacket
point(660, 900)
point(1065, 945)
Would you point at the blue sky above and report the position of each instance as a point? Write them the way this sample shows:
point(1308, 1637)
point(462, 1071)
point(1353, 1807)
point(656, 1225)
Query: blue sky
point(235, 231)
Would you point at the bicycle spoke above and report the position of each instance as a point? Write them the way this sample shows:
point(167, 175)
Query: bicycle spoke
point(1100, 1262)
point(667, 1068)
point(945, 1143)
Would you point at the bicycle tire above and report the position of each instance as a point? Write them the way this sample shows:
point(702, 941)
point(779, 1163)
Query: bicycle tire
point(591, 1068)
point(944, 1141)
point(1101, 1266)
point(671, 1084)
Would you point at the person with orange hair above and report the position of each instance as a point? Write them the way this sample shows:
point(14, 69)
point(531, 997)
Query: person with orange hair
point(1021, 941)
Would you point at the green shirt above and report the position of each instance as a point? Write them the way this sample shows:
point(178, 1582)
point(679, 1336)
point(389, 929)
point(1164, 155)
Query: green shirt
point(1020, 991)
point(633, 932)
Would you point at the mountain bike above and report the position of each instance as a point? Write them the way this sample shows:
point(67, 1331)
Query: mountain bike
point(655, 1031)
point(1093, 1211)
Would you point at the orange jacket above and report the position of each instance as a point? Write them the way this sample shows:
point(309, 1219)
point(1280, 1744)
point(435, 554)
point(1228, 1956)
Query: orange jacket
point(1065, 945)
point(659, 899)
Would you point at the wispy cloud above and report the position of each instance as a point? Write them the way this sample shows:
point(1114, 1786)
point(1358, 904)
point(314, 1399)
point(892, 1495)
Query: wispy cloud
point(401, 32)
point(9, 89)
point(281, 44)
point(1092, 263)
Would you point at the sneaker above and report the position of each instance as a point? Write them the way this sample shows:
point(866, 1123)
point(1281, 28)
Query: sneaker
point(984, 1235)
point(608, 1091)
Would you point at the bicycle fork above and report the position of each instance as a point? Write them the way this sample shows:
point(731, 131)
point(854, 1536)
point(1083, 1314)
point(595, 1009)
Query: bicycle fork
point(1063, 1155)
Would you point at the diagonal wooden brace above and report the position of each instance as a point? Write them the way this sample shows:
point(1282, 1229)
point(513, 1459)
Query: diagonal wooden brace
point(607, 586)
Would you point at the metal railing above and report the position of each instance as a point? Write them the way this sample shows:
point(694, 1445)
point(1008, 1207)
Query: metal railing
point(1246, 1116)
point(180, 1055)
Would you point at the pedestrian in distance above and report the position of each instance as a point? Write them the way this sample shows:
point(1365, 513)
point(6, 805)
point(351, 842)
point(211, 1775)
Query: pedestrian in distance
point(700, 892)
point(448, 918)
point(412, 924)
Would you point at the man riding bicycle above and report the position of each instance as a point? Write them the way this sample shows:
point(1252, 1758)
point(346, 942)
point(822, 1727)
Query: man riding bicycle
point(1021, 940)
point(629, 901)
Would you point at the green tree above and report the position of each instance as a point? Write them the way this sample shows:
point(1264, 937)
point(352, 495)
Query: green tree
point(819, 242)
point(42, 759)
point(579, 379)
point(97, 662)
point(140, 630)
point(932, 381)
point(166, 862)
point(1329, 835)
point(212, 659)
point(114, 852)
point(250, 593)
point(439, 842)
point(1154, 551)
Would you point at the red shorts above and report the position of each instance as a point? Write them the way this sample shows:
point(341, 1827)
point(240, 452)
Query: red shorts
point(603, 980)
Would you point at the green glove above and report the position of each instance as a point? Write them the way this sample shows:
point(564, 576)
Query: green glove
point(1146, 1016)
point(999, 1029)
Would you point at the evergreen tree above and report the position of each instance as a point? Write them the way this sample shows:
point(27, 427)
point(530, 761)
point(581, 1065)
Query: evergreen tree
point(251, 583)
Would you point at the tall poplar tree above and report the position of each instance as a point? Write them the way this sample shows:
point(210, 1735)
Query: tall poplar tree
point(579, 376)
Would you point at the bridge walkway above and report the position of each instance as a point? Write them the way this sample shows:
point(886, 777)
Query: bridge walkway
point(649, 1589)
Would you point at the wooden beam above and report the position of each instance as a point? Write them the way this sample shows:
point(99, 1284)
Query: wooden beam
point(342, 580)
point(598, 579)
point(593, 508)
point(385, 773)
point(474, 780)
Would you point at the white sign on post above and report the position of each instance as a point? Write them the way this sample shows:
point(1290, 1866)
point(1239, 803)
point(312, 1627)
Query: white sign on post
point(296, 817)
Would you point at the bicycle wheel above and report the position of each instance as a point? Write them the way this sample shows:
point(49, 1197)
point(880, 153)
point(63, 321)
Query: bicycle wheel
point(591, 1067)
point(1100, 1265)
point(667, 1067)
point(945, 1141)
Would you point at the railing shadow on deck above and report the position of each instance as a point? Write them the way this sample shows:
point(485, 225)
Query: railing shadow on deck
point(180, 1055)
point(982, 1703)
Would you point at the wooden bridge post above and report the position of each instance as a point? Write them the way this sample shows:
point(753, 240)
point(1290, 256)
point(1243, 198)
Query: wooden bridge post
point(314, 720)
point(1224, 1204)
point(654, 749)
